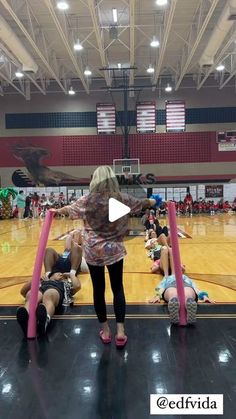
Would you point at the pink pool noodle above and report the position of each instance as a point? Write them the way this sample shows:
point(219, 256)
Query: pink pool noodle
point(177, 262)
point(31, 332)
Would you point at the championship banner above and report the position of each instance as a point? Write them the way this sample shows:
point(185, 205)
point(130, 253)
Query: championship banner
point(146, 117)
point(175, 116)
point(214, 191)
point(227, 146)
point(106, 118)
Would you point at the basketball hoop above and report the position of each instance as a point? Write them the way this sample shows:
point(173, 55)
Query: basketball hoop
point(126, 167)
point(126, 172)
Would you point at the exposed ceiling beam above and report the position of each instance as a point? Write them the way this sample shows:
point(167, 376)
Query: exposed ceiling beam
point(169, 15)
point(29, 76)
point(132, 39)
point(228, 79)
point(32, 43)
point(218, 58)
point(198, 37)
point(115, 40)
point(12, 59)
point(97, 29)
point(2, 76)
point(66, 43)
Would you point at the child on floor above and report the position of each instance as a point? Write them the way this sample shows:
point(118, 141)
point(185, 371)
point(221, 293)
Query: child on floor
point(167, 291)
point(75, 238)
point(55, 291)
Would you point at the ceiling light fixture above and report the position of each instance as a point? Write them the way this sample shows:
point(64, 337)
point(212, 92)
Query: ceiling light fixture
point(220, 67)
point(71, 91)
point(119, 65)
point(87, 72)
point(168, 88)
point(115, 15)
point(150, 69)
point(19, 74)
point(78, 46)
point(155, 43)
point(62, 5)
point(161, 2)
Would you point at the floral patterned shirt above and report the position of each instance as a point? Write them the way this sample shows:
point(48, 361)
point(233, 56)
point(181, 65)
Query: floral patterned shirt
point(103, 240)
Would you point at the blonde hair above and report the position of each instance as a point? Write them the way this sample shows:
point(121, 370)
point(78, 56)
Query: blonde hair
point(104, 180)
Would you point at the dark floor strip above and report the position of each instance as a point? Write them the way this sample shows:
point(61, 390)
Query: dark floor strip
point(204, 309)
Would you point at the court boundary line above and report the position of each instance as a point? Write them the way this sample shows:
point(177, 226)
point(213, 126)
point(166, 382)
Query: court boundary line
point(135, 303)
point(143, 273)
point(129, 317)
point(17, 229)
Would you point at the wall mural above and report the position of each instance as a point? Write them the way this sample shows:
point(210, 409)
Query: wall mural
point(69, 160)
point(38, 173)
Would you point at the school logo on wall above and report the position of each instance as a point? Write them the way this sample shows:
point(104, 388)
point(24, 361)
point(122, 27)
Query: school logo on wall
point(148, 179)
point(35, 173)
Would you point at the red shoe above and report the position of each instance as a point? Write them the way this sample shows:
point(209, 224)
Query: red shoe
point(121, 342)
point(105, 340)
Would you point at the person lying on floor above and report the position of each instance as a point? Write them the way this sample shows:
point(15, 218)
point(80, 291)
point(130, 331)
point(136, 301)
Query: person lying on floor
point(161, 253)
point(75, 239)
point(160, 236)
point(167, 291)
point(69, 261)
point(162, 261)
point(55, 291)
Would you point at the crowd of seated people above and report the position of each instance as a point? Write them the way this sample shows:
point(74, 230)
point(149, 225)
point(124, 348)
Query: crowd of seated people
point(36, 206)
point(200, 206)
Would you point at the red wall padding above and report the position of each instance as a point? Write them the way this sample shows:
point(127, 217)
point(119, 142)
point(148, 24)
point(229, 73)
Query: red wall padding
point(91, 150)
point(172, 148)
point(85, 150)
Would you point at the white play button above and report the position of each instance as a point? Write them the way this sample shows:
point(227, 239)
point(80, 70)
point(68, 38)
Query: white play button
point(117, 210)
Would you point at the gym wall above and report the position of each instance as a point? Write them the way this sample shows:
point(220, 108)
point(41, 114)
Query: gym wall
point(63, 129)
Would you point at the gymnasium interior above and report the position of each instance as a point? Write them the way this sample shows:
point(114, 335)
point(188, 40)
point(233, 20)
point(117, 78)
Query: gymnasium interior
point(148, 88)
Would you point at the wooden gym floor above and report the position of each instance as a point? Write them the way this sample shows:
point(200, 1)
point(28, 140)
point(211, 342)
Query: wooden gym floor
point(209, 256)
point(159, 358)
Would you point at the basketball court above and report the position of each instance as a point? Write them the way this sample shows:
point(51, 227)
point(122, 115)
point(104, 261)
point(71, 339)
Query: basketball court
point(147, 88)
point(161, 357)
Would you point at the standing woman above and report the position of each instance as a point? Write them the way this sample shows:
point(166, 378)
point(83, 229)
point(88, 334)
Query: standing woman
point(103, 244)
point(20, 202)
point(35, 205)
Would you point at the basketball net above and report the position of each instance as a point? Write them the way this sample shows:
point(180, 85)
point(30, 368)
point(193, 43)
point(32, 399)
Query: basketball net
point(126, 174)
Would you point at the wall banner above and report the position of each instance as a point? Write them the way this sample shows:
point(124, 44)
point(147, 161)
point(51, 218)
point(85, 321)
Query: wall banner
point(227, 146)
point(214, 191)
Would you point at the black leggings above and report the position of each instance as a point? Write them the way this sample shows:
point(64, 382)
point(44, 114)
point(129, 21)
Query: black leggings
point(116, 278)
point(162, 230)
